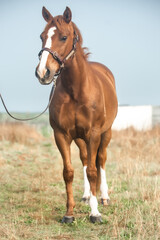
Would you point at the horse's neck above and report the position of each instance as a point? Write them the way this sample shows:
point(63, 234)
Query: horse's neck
point(74, 77)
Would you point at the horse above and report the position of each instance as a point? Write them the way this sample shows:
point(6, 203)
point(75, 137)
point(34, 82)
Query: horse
point(83, 107)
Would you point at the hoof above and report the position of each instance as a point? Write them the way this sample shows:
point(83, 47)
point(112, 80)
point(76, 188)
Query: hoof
point(95, 219)
point(68, 219)
point(85, 200)
point(105, 202)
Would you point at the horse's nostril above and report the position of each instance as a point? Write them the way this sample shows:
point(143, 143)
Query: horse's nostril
point(47, 73)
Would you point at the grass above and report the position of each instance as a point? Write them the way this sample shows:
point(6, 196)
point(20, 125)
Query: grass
point(33, 198)
point(18, 132)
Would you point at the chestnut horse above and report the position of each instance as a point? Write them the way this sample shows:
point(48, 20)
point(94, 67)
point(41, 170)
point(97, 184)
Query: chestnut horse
point(83, 107)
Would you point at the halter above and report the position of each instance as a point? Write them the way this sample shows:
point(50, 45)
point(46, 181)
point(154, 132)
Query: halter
point(61, 63)
point(56, 56)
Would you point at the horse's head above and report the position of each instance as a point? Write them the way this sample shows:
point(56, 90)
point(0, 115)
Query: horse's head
point(57, 42)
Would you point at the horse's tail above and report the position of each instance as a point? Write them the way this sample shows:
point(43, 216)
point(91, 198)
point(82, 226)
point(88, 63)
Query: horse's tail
point(98, 175)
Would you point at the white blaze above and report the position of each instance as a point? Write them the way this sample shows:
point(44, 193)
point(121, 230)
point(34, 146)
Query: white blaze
point(103, 186)
point(86, 184)
point(44, 57)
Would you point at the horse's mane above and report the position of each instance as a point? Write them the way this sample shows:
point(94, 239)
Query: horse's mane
point(85, 51)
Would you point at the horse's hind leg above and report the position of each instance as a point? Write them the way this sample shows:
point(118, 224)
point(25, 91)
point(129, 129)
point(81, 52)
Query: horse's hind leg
point(92, 149)
point(101, 159)
point(63, 143)
point(83, 155)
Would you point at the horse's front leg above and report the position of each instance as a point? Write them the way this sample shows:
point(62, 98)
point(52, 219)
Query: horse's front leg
point(63, 143)
point(83, 155)
point(92, 148)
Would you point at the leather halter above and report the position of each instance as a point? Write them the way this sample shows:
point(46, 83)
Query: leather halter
point(56, 56)
point(61, 63)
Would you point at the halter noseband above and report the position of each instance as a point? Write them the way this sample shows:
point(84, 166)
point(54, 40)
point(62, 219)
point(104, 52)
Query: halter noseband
point(58, 58)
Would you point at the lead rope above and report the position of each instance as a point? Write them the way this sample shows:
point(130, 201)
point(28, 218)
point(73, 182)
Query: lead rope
point(27, 119)
point(71, 53)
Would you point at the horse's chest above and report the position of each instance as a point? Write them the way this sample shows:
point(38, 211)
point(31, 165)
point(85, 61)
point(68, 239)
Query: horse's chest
point(65, 116)
point(83, 121)
point(74, 119)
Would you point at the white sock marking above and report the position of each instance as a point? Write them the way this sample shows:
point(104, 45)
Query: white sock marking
point(42, 66)
point(103, 186)
point(86, 184)
point(94, 206)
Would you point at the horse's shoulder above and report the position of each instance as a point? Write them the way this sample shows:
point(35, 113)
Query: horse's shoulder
point(103, 70)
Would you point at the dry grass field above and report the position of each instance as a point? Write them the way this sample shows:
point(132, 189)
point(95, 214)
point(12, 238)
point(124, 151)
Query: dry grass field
point(32, 191)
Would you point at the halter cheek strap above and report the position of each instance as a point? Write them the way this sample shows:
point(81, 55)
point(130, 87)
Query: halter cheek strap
point(57, 57)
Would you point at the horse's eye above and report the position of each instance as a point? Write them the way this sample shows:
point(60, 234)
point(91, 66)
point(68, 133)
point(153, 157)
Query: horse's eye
point(64, 38)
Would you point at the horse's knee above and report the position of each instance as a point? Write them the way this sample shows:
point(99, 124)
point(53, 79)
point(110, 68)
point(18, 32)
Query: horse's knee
point(68, 175)
point(92, 175)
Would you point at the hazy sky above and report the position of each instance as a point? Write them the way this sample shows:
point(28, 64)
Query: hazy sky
point(122, 34)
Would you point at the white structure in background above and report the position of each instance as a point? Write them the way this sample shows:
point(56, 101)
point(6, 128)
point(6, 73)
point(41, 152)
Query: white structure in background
point(139, 117)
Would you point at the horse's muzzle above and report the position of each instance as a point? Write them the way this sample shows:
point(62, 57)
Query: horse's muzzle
point(46, 79)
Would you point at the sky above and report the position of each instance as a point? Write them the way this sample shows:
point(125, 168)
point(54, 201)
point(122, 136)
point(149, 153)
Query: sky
point(124, 35)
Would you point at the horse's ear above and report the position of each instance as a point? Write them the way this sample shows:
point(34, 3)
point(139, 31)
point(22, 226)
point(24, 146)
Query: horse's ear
point(46, 14)
point(67, 15)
